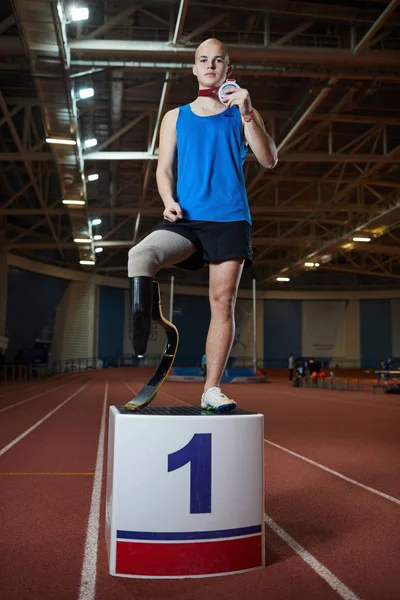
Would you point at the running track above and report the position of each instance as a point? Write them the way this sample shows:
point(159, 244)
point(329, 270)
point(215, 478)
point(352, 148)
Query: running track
point(332, 495)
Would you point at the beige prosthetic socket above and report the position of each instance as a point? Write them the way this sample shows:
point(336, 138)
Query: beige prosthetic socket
point(159, 249)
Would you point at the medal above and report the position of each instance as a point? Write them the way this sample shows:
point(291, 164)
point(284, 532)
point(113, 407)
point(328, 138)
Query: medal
point(228, 85)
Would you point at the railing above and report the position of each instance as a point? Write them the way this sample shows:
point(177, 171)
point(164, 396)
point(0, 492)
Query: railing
point(10, 373)
point(23, 373)
point(280, 362)
point(130, 360)
point(335, 362)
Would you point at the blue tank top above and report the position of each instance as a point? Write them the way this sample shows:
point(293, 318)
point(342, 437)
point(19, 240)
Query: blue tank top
point(210, 156)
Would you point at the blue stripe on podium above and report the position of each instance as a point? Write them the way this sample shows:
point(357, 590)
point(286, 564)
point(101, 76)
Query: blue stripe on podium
point(187, 535)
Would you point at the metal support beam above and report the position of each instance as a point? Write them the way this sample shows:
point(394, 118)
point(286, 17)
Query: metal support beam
point(289, 157)
point(309, 136)
point(333, 246)
point(313, 106)
point(379, 38)
point(360, 271)
point(282, 54)
point(15, 196)
point(154, 16)
point(39, 245)
point(121, 132)
point(377, 248)
point(288, 37)
point(6, 23)
point(364, 43)
point(28, 166)
point(12, 112)
point(204, 27)
point(27, 127)
point(311, 209)
point(258, 70)
point(25, 156)
point(161, 109)
point(111, 23)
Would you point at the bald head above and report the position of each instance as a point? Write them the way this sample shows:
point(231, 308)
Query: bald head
point(214, 44)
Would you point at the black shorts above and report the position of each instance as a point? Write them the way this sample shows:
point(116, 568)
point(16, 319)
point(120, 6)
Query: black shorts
point(214, 241)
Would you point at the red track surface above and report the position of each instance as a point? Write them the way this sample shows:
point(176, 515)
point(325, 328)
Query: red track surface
point(351, 533)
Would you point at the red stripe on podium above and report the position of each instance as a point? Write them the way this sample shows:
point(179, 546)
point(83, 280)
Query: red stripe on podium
point(180, 559)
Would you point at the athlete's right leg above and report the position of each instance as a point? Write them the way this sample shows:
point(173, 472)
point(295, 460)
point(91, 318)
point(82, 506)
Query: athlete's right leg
point(159, 249)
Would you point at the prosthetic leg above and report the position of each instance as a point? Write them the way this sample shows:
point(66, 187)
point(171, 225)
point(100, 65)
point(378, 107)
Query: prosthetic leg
point(141, 305)
point(150, 308)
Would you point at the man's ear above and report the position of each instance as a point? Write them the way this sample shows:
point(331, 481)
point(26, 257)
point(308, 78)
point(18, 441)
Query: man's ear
point(194, 70)
point(229, 71)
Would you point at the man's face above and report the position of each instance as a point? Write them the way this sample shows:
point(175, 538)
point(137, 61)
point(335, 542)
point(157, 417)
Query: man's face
point(211, 65)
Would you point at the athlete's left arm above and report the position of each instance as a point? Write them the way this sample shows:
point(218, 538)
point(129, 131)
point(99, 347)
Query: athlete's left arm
point(260, 142)
point(255, 133)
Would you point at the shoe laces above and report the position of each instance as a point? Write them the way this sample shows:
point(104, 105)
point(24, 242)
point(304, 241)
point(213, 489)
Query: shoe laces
point(216, 392)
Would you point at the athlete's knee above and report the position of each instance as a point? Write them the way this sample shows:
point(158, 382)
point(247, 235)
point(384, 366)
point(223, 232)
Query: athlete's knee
point(143, 261)
point(222, 302)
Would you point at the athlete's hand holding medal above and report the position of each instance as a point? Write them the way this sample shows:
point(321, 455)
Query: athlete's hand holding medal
point(231, 94)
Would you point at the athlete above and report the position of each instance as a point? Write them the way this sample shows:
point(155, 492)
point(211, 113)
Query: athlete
point(206, 214)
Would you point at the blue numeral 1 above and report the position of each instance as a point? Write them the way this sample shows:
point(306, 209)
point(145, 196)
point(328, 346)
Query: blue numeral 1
point(198, 453)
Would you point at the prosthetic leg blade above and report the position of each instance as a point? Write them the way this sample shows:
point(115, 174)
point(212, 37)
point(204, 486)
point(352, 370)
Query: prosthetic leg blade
point(141, 301)
point(149, 391)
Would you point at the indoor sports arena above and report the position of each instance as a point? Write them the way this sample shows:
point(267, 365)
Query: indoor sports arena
point(199, 299)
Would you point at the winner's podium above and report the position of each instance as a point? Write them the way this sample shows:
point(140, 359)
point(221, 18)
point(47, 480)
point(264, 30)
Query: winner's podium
point(184, 492)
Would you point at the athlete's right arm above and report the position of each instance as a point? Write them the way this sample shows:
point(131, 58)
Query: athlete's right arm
point(166, 157)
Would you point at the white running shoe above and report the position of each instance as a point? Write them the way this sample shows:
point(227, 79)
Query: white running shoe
point(214, 399)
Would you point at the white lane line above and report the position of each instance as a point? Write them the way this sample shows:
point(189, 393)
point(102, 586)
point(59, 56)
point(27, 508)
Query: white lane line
point(87, 590)
point(21, 437)
point(129, 388)
point(33, 397)
point(163, 393)
point(37, 383)
point(334, 582)
point(332, 472)
point(337, 400)
point(338, 586)
point(312, 462)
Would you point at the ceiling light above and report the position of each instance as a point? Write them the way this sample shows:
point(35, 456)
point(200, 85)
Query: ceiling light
point(86, 93)
point(361, 239)
point(96, 222)
point(97, 237)
point(98, 250)
point(308, 264)
point(82, 240)
point(74, 202)
point(93, 177)
point(80, 13)
point(90, 143)
point(316, 265)
point(64, 141)
point(283, 278)
point(87, 262)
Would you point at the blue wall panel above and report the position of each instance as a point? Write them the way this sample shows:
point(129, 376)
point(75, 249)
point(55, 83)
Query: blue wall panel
point(375, 332)
point(111, 322)
point(31, 302)
point(282, 331)
point(191, 317)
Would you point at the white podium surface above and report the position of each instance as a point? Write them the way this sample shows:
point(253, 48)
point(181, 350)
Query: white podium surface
point(184, 492)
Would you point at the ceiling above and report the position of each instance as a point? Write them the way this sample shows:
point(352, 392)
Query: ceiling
point(325, 77)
